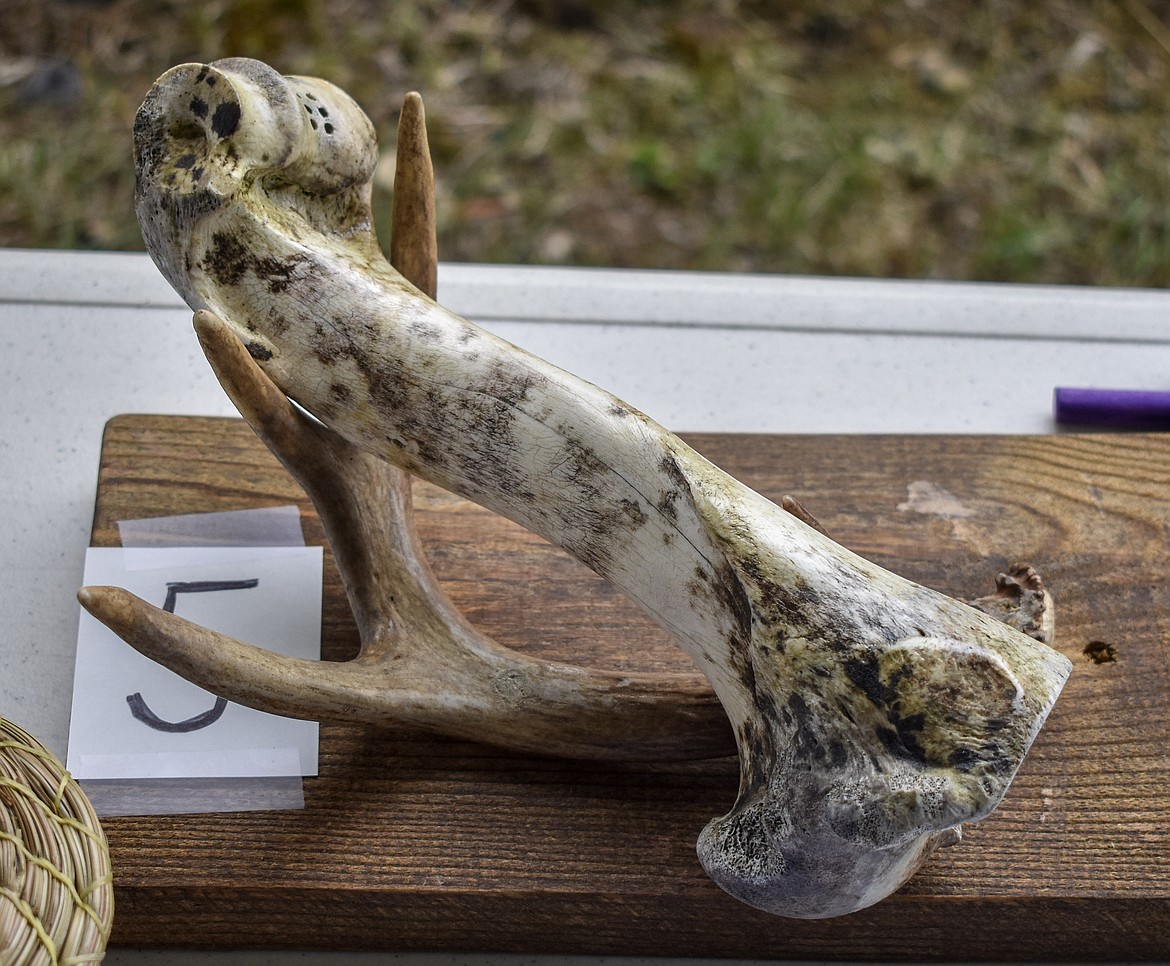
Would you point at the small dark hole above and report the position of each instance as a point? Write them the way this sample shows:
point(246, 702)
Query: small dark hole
point(1100, 653)
point(322, 112)
point(314, 123)
point(308, 110)
point(328, 128)
point(311, 97)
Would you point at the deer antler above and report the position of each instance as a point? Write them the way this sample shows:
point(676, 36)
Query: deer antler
point(872, 716)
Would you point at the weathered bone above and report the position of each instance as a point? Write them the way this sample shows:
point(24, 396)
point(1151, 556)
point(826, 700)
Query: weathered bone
point(872, 716)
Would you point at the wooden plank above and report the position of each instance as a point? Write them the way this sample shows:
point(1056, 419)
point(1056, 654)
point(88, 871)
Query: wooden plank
point(412, 842)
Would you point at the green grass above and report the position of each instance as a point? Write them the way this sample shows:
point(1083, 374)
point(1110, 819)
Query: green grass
point(1000, 140)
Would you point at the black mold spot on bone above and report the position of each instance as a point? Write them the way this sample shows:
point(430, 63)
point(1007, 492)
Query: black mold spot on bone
point(798, 709)
point(425, 330)
point(187, 206)
point(260, 353)
point(276, 272)
point(730, 592)
point(666, 504)
point(897, 675)
point(148, 141)
point(698, 587)
point(756, 741)
point(892, 742)
point(633, 512)
point(199, 107)
point(669, 466)
point(806, 737)
point(226, 119)
point(277, 324)
point(963, 759)
point(864, 674)
point(910, 731)
point(581, 465)
point(793, 604)
point(329, 346)
point(226, 260)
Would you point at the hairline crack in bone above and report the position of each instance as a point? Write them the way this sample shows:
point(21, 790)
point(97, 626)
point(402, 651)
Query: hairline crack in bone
point(872, 716)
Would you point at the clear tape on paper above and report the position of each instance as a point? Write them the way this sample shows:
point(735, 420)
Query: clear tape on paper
point(188, 796)
point(273, 528)
point(236, 763)
point(135, 758)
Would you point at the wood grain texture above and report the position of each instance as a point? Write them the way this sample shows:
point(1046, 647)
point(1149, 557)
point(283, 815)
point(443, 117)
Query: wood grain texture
point(411, 842)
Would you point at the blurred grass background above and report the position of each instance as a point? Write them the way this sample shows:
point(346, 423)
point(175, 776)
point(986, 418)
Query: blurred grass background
point(1008, 141)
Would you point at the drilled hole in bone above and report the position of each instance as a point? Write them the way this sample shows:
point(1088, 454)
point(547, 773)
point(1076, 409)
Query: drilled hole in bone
point(328, 128)
point(322, 112)
point(313, 121)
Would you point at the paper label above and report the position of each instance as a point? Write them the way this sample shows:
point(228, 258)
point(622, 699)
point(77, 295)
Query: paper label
point(133, 718)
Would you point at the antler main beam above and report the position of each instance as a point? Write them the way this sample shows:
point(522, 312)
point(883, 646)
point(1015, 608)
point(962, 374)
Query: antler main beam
point(872, 716)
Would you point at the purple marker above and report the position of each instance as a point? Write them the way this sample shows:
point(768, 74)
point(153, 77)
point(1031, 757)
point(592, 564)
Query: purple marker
point(1112, 408)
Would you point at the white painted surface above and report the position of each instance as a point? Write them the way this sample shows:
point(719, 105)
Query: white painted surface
point(84, 337)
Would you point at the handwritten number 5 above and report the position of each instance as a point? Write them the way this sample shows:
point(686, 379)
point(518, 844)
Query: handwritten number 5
point(138, 705)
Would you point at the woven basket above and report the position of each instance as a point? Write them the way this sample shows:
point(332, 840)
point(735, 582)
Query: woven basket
point(56, 890)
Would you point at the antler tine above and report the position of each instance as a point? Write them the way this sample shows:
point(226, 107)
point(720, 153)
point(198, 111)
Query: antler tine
point(421, 663)
point(510, 708)
point(414, 246)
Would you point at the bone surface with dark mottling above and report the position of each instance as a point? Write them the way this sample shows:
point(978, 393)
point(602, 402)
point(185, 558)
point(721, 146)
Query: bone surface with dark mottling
point(873, 716)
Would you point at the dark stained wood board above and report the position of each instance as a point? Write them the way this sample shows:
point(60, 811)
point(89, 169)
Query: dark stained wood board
point(414, 842)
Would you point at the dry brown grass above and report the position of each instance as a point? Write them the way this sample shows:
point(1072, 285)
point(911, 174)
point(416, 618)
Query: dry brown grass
point(1000, 140)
